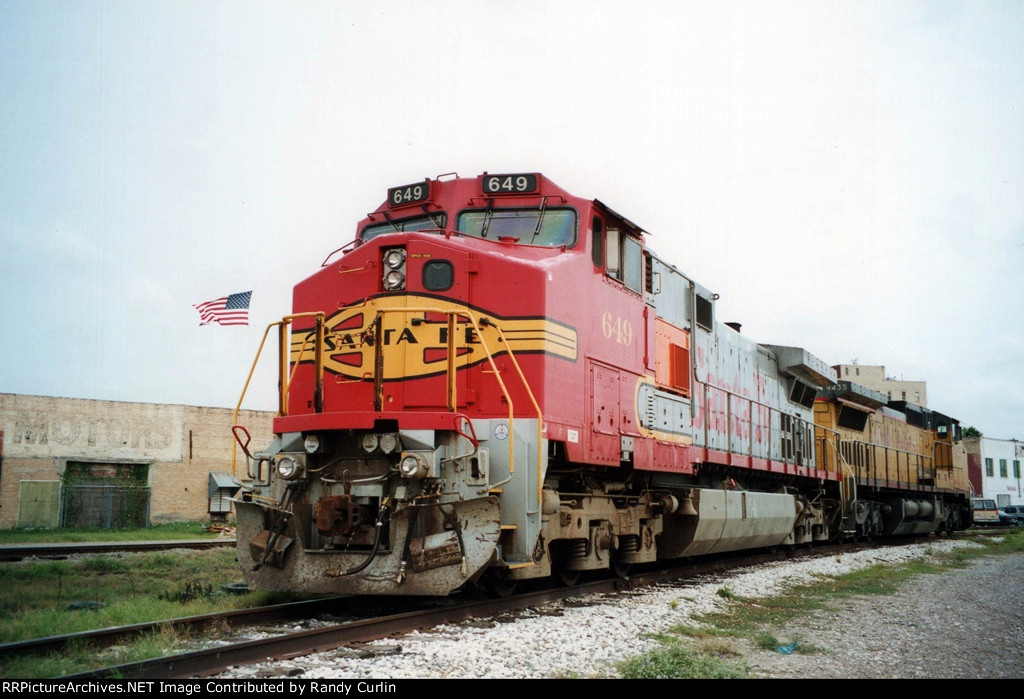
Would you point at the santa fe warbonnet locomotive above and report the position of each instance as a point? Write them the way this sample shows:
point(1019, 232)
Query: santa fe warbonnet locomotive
point(499, 381)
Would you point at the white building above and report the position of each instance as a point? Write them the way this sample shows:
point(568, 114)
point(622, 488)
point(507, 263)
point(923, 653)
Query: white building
point(994, 467)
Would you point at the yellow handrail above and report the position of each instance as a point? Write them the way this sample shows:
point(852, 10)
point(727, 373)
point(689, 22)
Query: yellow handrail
point(845, 465)
point(453, 315)
point(282, 407)
point(286, 377)
point(533, 400)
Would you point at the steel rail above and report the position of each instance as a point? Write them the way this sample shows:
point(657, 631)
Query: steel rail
point(17, 552)
point(234, 618)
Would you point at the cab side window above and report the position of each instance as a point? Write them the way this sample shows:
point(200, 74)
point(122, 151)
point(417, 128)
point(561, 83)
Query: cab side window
point(613, 253)
point(623, 258)
point(632, 264)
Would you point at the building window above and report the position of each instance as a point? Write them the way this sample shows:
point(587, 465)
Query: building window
point(1002, 468)
point(1016, 468)
point(858, 371)
point(989, 470)
point(904, 395)
point(917, 396)
point(847, 370)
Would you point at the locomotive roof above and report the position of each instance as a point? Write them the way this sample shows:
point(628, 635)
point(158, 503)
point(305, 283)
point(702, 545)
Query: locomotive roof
point(855, 393)
point(800, 363)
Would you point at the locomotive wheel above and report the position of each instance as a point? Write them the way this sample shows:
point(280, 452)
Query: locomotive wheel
point(559, 557)
point(620, 568)
point(501, 586)
point(567, 578)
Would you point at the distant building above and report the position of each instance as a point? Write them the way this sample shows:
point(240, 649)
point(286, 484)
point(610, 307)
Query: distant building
point(994, 468)
point(111, 464)
point(874, 377)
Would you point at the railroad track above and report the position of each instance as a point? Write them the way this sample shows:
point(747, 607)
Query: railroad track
point(18, 552)
point(210, 661)
point(233, 619)
point(431, 612)
point(992, 530)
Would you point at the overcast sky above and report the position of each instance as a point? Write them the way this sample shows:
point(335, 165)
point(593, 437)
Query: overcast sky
point(848, 175)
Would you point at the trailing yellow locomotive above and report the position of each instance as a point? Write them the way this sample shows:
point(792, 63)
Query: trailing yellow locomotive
point(905, 470)
point(498, 381)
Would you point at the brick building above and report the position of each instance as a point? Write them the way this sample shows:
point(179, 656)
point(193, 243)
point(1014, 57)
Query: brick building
point(78, 462)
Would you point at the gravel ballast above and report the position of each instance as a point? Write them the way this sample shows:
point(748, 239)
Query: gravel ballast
point(964, 623)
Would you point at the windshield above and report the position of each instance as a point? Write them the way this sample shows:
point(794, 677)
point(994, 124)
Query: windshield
point(415, 223)
point(549, 228)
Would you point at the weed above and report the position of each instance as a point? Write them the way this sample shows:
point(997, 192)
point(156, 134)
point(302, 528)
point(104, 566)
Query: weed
point(717, 647)
point(766, 641)
point(191, 591)
point(674, 661)
point(697, 631)
point(804, 648)
point(103, 565)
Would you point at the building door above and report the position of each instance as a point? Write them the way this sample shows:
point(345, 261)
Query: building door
point(39, 504)
point(106, 495)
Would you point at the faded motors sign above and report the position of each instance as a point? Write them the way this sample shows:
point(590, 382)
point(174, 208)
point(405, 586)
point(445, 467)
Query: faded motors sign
point(413, 335)
point(84, 429)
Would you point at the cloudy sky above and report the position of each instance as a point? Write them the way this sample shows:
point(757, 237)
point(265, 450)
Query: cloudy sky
point(847, 174)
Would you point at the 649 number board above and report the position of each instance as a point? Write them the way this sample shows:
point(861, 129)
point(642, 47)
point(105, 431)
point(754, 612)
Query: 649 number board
point(509, 184)
point(408, 194)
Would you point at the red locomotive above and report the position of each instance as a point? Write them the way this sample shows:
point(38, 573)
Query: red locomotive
point(498, 380)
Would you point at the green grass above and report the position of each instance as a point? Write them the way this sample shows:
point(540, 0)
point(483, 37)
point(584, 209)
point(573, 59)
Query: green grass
point(48, 598)
point(158, 532)
point(675, 661)
point(79, 658)
point(702, 651)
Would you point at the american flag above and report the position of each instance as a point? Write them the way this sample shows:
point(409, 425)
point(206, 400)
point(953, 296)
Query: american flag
point(228, 310)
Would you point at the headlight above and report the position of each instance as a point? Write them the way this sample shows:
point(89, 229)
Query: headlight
point(412, 467)
point(394, 258)
point(394, 280)
point(288, 468)
point(394, 269)
point(369, 442)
